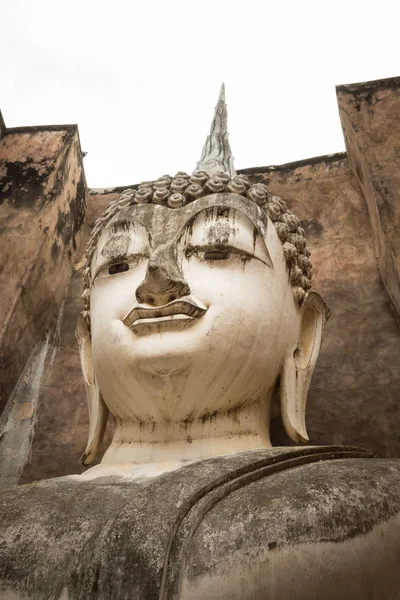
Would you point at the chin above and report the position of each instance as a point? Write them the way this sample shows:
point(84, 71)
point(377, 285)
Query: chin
point(168, 350)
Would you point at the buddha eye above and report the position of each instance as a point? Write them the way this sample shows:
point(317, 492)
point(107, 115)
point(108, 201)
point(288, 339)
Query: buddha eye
point(118, 268)
point(216, 255)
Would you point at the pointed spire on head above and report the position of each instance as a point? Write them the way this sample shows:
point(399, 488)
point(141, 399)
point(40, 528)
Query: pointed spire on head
point(217, 153)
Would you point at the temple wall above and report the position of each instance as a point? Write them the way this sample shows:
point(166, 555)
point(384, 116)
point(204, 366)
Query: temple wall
point(42, 207)
point(370, 119)
point(349, 208)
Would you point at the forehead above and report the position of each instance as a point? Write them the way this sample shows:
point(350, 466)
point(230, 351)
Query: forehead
point(164, 223)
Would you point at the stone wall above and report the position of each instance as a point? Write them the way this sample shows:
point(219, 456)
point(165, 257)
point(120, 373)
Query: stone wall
point(370, 118)
point(42, 208)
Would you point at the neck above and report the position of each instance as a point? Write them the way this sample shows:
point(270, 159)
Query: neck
point(172, 443)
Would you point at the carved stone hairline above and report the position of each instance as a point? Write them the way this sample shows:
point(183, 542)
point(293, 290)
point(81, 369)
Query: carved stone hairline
point(177, 191)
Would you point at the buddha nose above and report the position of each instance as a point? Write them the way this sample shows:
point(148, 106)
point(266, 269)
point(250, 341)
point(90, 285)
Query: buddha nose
point(164, 281)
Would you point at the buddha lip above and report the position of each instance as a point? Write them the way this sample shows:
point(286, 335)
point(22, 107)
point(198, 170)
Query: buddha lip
point(187, 305)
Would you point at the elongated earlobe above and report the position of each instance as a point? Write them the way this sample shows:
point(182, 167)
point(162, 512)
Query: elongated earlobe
point(98, 411)
point(298, 368)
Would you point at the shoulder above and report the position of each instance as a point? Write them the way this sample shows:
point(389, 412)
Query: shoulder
point(51, 530)
point(298, 530)
point(68, 496)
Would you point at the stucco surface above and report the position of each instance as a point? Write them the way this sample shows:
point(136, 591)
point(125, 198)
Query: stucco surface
point(205, 526)
point(316, 544)
point(371, 126)
point(42, 205)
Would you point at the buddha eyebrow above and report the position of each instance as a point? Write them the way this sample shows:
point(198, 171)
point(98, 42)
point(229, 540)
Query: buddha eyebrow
point(121, 225)
point(218, 225)
point(116, 246)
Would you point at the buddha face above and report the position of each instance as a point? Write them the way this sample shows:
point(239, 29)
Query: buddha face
point(192, 312)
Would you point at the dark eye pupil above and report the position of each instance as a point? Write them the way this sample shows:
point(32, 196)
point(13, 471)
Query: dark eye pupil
point(215, 255)
point(118, 268)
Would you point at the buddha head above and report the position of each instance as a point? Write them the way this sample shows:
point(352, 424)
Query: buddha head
point(198, 312)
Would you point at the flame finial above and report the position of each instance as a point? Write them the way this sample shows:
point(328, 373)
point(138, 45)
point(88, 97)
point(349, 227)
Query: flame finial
point(217, 154)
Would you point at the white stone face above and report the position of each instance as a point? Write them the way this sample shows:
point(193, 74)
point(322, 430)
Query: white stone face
point(167, 367)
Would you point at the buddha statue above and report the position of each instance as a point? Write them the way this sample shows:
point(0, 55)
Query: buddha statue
point(199, 324)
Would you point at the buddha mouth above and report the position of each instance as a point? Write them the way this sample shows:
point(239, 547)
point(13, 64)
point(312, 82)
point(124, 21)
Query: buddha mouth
point(183, 308)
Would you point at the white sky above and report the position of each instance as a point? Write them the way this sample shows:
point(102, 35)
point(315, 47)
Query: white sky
point(141, 78)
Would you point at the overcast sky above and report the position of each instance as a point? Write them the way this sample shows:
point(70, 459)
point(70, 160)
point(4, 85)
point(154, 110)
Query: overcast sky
point(141, 78)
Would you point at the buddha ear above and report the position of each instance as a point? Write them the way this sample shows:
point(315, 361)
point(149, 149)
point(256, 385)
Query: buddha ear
point(298, 368)
point(98, 411)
